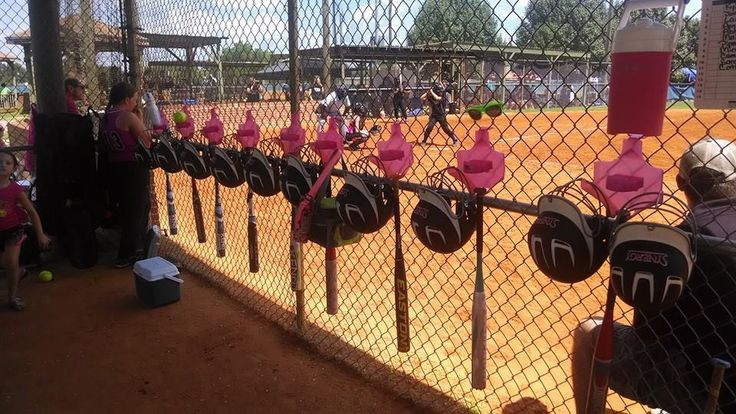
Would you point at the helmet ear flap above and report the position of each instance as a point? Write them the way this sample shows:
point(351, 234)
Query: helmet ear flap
point(438, 224)
point(651, 262)
point(363, 204)
point(262, 172)
point(565, 244)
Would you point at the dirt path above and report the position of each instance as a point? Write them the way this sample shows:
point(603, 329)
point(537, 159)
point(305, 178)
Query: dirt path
point(85, 344)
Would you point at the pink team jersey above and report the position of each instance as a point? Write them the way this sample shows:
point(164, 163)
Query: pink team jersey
point(121, 144)
point(11, 214)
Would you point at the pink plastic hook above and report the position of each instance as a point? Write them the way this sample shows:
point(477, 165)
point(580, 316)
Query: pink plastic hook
point(395, 154)
point(249, 133)
point(293, 136)
point(213, 129)
point(186, 128)
point(164, 123)
point(482, 166)
point(626, 177)
point(328, 142)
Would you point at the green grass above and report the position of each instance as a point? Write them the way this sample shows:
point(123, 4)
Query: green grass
point(676, 105)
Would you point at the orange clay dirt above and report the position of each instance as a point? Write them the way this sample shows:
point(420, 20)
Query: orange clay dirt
point(530, 318)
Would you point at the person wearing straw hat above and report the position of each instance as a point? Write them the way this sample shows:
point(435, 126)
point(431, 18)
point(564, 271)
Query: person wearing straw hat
point(663, 360)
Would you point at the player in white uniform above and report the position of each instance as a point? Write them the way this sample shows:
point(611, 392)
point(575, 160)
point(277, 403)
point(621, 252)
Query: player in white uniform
point(336, 104)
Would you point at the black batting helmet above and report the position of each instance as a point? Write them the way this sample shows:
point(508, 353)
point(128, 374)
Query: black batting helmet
point(651, 262)
point(144, 157)
point(365, 203)
point(565, 244)
point(297, 179)
point(360, 109)
point(341, 92)
point(435, 222)
point(262, 171)
point(226, 166)
point(192, 161)
point(166, 152)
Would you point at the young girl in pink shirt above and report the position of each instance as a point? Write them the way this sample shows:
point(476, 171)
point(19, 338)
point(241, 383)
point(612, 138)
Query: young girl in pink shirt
point(15, 207)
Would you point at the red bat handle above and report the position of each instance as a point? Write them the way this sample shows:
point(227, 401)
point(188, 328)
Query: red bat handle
point(598, 386)
point(331, 279)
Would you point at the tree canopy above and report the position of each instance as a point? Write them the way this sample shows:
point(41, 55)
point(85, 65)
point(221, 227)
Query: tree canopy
point(244, 52)
point(579, 25)
point(461, 21)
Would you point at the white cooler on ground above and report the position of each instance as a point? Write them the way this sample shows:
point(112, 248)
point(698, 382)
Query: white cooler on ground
point(157, 281)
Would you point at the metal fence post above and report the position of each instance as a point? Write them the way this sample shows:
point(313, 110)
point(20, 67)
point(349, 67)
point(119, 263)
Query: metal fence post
point(46, 46)
point(293, 56)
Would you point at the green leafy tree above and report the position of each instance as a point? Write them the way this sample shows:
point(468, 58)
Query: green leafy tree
point(461, 21)
point(241, 52)
point(244, 52)
point(578, 25)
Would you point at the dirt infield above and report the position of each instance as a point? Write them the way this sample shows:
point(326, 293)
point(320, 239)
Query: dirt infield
point(529, 319)
point(86, 344)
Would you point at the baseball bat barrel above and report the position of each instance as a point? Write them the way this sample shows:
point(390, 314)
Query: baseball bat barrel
point(253, 264)
point(478, 351)
point(297, 281)
point(598, 385)
point(331, 278)
point(401, 291)
point(198, 217)
point(479, 341)
point(171, 207)
point(219, 223)
point(716, 380)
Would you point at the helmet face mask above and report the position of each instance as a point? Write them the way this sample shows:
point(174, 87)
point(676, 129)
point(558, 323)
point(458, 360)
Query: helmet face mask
point(565, 244)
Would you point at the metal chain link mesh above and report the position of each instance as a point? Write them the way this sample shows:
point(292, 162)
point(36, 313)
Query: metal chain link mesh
point(547, 61)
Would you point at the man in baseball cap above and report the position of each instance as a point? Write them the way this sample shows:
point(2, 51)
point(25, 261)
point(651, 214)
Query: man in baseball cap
point(663, 359)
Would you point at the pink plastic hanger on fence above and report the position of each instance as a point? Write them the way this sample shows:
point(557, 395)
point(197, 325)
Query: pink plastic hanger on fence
point(293, 136)
point(158, 129)
point(395, 154)
point(213, 129)
point(626, 177)
point(249, 133)
point(186, 128)
point(482, 166)
point(328, 142)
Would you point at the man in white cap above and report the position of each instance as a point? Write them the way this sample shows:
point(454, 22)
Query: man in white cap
point(664, 359)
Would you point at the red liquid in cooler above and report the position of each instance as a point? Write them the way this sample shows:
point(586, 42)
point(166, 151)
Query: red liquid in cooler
point(638, 92)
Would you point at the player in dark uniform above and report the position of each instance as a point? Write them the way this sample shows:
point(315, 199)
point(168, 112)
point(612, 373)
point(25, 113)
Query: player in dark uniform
point(436, 97)
point(399, 92)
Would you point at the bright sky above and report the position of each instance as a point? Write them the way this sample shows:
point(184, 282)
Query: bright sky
point(264, 22)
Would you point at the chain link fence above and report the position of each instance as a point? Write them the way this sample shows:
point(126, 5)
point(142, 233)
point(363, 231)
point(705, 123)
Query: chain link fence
point(547, 61)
